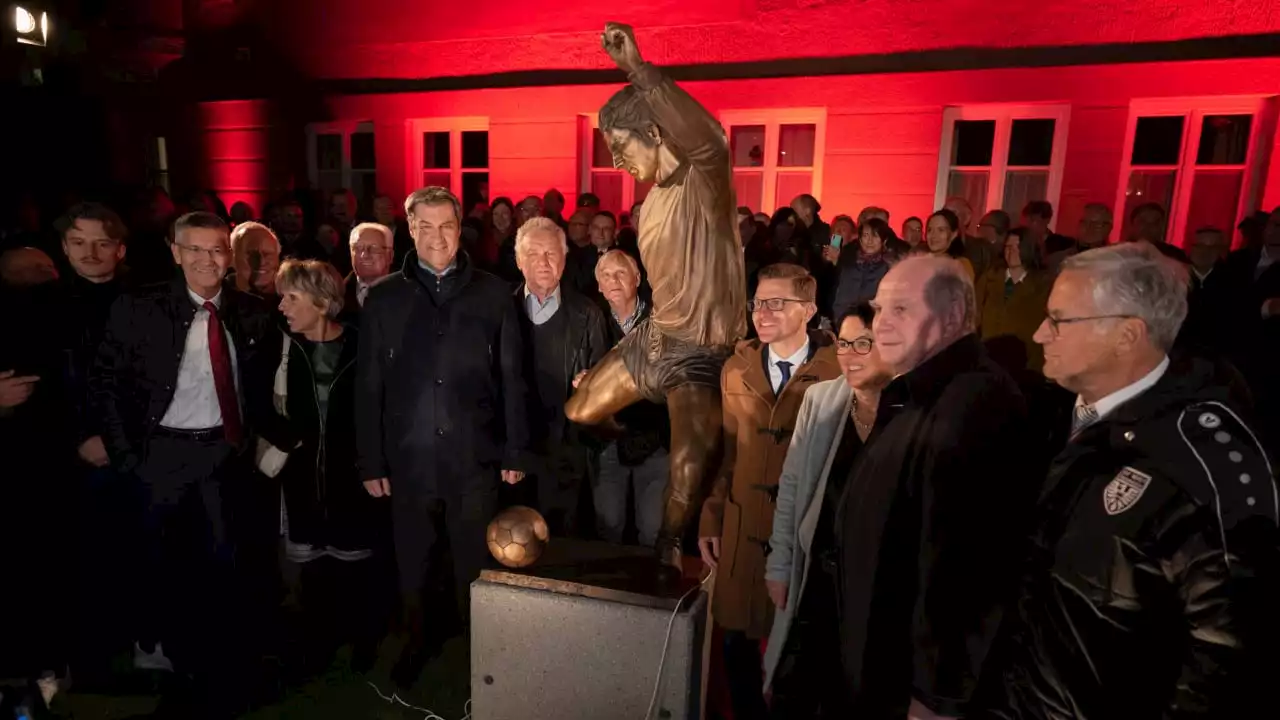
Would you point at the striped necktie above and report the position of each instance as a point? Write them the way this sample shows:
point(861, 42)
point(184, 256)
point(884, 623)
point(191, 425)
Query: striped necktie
point(1085, 415)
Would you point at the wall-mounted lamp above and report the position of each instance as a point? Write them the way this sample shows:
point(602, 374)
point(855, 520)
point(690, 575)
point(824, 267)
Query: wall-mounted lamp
point(31, 30)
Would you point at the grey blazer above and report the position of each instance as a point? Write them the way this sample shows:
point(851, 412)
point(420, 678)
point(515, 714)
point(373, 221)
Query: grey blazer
point(801, 488)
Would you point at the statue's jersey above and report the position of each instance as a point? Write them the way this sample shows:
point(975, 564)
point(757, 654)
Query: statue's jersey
point(688, 231)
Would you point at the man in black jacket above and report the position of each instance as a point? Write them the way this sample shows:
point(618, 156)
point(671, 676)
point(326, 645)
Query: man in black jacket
point(929, 542)
point(441, 408)
point(1151, 586)
point(182, 386)
point(563, 335)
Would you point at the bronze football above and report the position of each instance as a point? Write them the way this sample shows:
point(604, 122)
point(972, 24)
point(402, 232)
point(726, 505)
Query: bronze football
point(517, 536)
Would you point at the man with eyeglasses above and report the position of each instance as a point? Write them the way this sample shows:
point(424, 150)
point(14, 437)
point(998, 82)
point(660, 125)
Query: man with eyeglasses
point(1151, 586)
point(1095, 231)
point(372, 250)
point(762, 385)
point(182, 385)
point(930, 529)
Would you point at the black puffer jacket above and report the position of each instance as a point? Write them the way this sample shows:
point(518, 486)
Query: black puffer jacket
point(1150, 591)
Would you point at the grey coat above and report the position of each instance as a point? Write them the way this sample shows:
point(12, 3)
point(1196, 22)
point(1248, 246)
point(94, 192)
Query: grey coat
point(801, 488)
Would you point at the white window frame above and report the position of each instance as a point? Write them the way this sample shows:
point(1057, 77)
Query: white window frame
point(455, 127)
point(587, 126)
point(346, 129)
point(1193, 109)
point(772, 120)
point(1003, 115)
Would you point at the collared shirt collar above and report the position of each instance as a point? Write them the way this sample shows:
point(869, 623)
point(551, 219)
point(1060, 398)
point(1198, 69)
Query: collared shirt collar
point(796, 359)
point(199, 301)
point(630, 321)
point(1202, 276)
point(453, 265)
point(1109, 403)
point(555, 295)
point(1008, 275)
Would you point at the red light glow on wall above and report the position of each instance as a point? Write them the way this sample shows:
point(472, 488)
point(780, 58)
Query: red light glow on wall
point(234, 141)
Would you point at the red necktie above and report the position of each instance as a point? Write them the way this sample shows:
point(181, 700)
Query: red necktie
point(224, 382)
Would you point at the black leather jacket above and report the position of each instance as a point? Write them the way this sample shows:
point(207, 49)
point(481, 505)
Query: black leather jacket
point(1150, 590)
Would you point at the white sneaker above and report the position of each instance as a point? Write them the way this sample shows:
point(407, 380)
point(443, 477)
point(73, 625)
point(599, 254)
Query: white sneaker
point(301, 552)
point(144, 660)
point(348, 555)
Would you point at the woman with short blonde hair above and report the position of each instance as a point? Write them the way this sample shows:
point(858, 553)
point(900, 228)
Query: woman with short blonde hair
point(327, 511)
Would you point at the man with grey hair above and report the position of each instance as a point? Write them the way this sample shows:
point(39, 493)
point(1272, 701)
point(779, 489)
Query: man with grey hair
point(563, 334)
point(372, 251)
point(441, 406)
point(930, 542)
point(1151, 588)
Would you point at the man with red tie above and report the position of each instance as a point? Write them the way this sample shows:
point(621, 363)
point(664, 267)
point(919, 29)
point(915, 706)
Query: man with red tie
point(184, 370)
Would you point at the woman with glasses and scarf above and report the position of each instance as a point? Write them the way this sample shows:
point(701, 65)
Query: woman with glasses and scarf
point(802, 660)
point(863, 266)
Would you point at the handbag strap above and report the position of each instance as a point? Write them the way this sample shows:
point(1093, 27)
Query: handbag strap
point(280, 388)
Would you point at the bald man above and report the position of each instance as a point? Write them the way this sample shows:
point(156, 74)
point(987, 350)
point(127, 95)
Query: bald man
point(930, 544)
point(26, 267)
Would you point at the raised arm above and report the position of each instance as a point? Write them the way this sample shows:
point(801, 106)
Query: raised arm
point(683, 121)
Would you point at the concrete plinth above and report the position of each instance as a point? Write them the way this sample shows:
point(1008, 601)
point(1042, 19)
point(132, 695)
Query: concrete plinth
point(581, 638)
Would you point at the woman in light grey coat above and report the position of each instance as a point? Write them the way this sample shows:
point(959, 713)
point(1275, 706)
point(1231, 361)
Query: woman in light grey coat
point(802, 660)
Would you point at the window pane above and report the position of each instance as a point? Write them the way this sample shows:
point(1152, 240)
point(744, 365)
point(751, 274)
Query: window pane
point(365, 186)
point(437, 177)
point(1023, 186)
point(600, 155)
point(746, 142)
point(1158, 141)
point(792, 184)
point(1031, 142)
point(362, 157)
point(329, 181)
point(972, 186)
point(435, 150)
point(328, 152)
point(749, 187)
point(1224, 140)
point(1146, 186)
point(1215, 197)
point(475, 148)
point(475, 190)
point(795, 145)
point(972, 141)
point(608, 187)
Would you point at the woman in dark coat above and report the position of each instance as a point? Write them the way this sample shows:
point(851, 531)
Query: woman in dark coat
point(330, 521)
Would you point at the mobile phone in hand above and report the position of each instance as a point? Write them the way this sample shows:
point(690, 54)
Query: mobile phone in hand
point(836, 241)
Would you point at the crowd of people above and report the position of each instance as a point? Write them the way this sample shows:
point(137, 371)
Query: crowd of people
point(970, 469)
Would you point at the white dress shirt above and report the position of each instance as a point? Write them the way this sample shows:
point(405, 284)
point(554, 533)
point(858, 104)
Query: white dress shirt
point(797, 359)
point(541, 311)
point(1109, 403)
point(195, 400)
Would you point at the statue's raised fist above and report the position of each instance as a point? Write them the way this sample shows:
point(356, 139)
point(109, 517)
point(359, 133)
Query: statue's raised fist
point(619, 41)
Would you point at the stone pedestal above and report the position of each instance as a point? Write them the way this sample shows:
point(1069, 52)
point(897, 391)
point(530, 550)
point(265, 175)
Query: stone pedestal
point(580, 637)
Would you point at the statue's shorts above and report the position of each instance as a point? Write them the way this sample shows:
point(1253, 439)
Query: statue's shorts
point(660, 364)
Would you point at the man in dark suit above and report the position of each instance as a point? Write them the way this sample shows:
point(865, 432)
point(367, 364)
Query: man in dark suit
point(929, 544)
point(182, 385)
point(564, 334)
point(372, 249)
point(1209, 293)
point(441, 410)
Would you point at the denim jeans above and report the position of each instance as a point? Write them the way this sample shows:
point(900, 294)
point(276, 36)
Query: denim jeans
point(648, 480)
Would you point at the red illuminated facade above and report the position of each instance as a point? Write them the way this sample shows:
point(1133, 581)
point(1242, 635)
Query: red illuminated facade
point(897, 103)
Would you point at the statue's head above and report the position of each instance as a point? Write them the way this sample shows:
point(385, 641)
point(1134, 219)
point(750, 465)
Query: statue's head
point(634, 138)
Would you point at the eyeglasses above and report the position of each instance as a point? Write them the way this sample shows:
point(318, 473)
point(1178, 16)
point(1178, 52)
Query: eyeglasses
point(372, 250)
point(774, 304)
point(861, 346)
point(1056, 323)
point(214, 253)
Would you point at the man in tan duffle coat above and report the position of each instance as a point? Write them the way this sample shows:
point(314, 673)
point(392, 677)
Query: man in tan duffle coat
point(762, 386)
